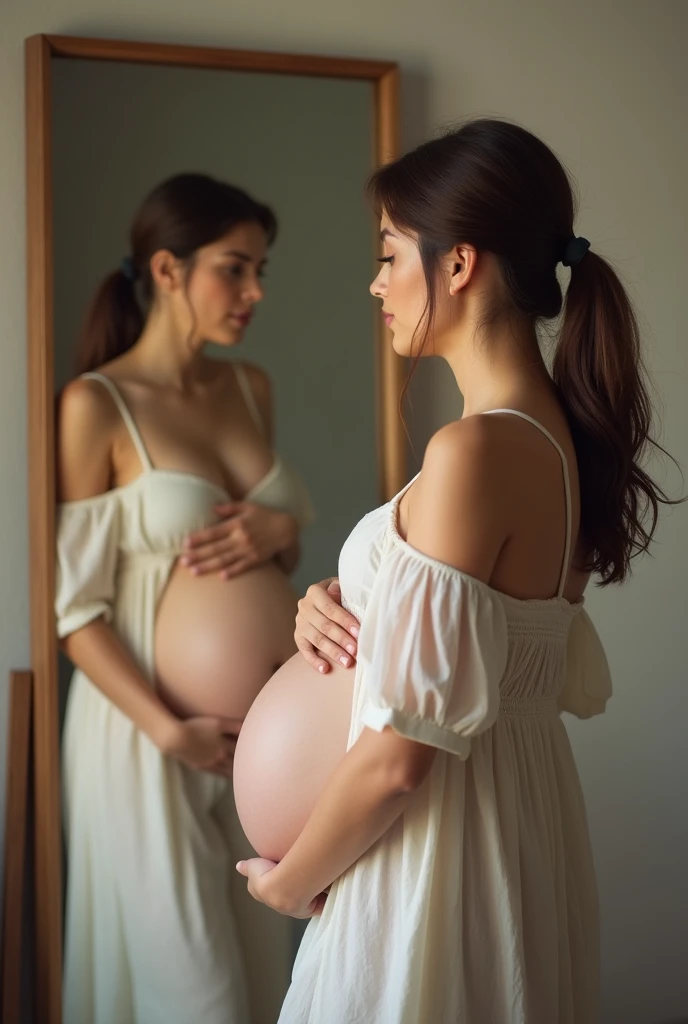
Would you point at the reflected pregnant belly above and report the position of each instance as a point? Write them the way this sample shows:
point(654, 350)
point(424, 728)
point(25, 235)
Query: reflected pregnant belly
point(293, 738)
point(217, 641)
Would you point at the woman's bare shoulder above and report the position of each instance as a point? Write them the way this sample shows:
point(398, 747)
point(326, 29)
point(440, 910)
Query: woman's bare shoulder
point(87, 421)
point(457, 508)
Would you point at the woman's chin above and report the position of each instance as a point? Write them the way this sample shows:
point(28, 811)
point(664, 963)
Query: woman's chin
point(400, 346)
point(232, 336)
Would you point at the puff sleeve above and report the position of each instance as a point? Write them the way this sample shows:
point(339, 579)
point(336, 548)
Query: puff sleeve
point(433, 650)
point(87, 544)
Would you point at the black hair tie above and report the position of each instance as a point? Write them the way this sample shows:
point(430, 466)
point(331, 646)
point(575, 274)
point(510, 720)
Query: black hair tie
point(128, 269)
point(575, 250)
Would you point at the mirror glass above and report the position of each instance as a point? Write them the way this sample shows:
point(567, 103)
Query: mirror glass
point(304, 146)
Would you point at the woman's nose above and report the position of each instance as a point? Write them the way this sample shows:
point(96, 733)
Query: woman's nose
point(377, 288)
point(255, 291)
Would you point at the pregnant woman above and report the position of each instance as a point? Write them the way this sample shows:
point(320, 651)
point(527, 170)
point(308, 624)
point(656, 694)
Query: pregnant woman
point(452, 835)
point(177, 526)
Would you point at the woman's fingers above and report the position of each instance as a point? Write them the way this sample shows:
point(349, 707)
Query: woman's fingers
point(324, 601)
point(311, 656)
point(237, 567)
point(213, 559)
point(204, 552)
point(309, 616)
point(322, 642)
point(209, 535)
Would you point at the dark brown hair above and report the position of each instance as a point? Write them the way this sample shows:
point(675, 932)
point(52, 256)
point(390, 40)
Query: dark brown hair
point(182, 215)
point(493, 185)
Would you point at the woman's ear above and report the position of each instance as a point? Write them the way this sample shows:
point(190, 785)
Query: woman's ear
point(166, 270)
point(464, 258)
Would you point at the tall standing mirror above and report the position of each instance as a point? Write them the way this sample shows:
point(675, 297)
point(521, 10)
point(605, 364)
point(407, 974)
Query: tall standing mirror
point(310, 386)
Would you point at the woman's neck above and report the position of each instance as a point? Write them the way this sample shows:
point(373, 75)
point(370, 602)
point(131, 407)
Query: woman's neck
point(167, 354)
point(497, 369)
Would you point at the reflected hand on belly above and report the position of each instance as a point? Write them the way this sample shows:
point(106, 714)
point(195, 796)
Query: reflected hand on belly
point(248, 535)
point(206, 744)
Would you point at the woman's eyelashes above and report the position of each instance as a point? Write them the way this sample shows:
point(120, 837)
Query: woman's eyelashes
point(238, 271)
point(386, 259)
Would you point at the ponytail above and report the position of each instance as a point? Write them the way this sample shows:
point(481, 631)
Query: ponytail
point(496, 186)
point(599, 373)
point(113, 323)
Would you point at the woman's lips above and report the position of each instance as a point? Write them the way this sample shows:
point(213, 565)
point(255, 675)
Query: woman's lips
point(242, 318)
point(388, 318)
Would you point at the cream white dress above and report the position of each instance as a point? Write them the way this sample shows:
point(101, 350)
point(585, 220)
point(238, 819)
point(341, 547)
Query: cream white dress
point(159, 927)
point(479, 905)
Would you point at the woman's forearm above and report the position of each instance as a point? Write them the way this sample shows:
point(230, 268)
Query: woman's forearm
point(362, 800)
point(100, 654)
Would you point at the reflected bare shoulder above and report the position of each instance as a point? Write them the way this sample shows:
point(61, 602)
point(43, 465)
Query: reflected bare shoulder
point(87, 422)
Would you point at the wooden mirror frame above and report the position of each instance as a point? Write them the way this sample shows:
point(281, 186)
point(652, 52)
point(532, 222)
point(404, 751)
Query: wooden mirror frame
point(391, 444)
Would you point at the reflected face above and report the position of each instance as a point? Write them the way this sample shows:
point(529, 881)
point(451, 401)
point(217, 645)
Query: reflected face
point(401, 285)
point(226, 283)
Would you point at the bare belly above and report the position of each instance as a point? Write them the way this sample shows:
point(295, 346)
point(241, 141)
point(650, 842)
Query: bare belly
point(217, 642)
point(293, 738)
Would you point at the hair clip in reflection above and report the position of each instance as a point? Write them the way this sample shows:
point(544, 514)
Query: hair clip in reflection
point(128, 269)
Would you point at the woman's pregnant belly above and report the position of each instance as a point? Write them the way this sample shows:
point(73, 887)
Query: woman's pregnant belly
point(293, 738)
point(217, 641)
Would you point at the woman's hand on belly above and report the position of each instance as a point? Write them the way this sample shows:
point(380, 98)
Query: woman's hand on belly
point(323, 626)
point(206, 744)
point(247, 535)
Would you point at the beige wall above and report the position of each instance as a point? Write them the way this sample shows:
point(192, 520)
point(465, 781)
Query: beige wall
point(605, 84)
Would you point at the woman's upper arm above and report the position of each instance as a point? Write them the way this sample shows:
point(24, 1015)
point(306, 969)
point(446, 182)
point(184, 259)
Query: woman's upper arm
point(458, 513)
point(86, 424)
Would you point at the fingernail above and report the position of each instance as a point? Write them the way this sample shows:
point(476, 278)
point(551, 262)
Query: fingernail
point(354, 631)
point(321, 668)
point(345, 661)
point(195, 570)
point(185, 560)
point(351, 648)
point(240, 865)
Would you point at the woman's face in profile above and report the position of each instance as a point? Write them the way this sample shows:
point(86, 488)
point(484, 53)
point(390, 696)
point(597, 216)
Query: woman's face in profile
point(225, 284)
point(401, 285)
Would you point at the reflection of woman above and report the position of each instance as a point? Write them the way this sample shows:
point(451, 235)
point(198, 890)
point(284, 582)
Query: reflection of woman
point(159, 444)
point(453, 832)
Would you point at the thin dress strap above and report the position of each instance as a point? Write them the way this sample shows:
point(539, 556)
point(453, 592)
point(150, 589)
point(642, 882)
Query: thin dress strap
point(129, 421)
point(249, 397)
point(567, 487)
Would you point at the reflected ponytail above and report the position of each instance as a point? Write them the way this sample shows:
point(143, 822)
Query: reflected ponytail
point(113, 323)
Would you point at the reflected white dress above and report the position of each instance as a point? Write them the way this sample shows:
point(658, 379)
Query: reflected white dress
point(479, 905)
point(159, 927)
